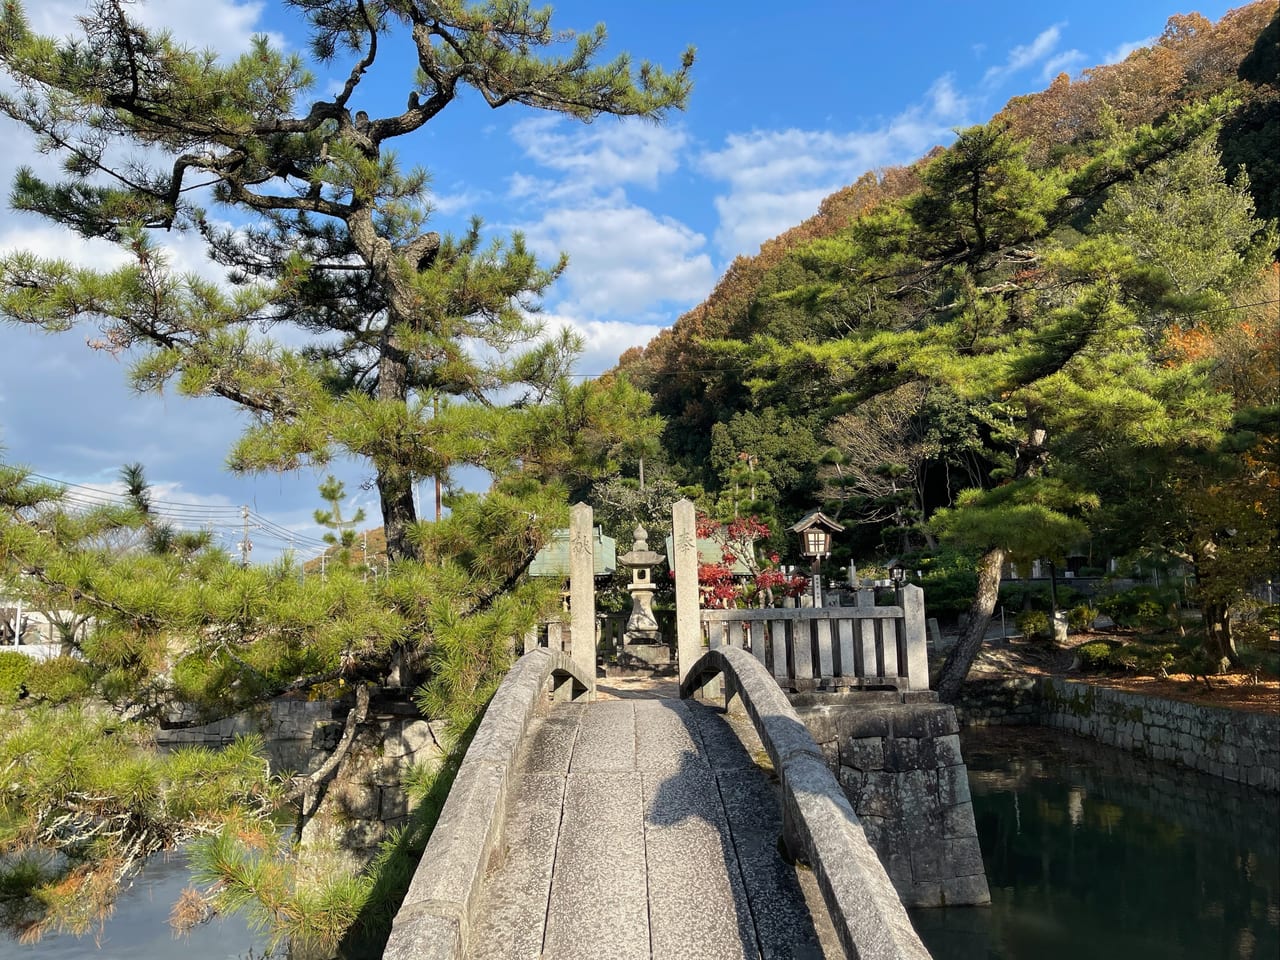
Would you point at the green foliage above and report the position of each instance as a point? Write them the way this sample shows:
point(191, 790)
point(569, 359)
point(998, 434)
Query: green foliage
point(310, 898)
point(1080, 618)
point(1141, 606)
point(1029, 518)
point(14, 669)
point(949, 580)
point(426, 353)
point(60, 680)
point(1095, 657)
point(1140, 657)
point(1035, 595)
point(1033, 624)
point(97, 791)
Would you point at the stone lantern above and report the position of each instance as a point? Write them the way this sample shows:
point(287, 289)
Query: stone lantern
point(642, 640)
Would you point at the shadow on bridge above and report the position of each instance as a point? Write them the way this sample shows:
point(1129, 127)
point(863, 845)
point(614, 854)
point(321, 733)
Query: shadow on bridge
point(713, 828)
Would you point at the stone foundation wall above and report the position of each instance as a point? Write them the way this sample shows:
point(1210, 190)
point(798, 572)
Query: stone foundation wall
point(365, 798)
point(299, 733)
point(901, 768)
point(276, 720)
point(1235, 745)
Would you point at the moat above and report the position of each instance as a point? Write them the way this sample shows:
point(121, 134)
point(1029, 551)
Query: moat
point(1091, 852)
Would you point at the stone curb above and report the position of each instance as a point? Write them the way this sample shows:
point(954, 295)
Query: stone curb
point(434, 921)
point(865, 908)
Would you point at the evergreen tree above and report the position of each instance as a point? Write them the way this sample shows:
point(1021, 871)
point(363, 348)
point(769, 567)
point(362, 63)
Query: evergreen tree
point(338, 533)
point(418, 353)
point(336, 242)
point(987, 288)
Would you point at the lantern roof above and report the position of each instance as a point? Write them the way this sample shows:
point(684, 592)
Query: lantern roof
point(817, 519)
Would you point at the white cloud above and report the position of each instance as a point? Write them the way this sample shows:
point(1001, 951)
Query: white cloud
point(777, 178)
point(1066, 62)
point(945, 100)
point(1025, 55)
point(604, 341)
point(749, 219)
point(1123, 50)
point(623, 259)
point(462, 202)
point(597, 156)
point(222, 25)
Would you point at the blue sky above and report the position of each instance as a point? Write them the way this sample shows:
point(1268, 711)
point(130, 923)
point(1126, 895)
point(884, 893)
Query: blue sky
point(790, 102)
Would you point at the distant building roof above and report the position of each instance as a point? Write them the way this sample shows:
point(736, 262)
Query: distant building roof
point(711, 550)
point(553, 559)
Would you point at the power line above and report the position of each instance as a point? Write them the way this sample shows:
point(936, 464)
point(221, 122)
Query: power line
point(185, 515)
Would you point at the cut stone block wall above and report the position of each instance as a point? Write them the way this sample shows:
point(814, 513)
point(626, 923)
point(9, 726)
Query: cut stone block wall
point(275, 720)
point(364, 799)
point(901, 768)
point(1235, 745)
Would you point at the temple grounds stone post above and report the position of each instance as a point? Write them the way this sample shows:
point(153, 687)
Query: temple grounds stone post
point(582, 590)
point(684, 535)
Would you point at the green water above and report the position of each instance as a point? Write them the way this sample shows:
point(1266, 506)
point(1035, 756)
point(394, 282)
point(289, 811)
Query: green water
point(1094, 854)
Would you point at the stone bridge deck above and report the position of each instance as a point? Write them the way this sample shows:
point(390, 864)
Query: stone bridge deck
point(643, 828)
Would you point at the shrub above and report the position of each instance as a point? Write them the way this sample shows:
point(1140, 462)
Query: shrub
point(1095, 657)
point(14, 669)
point(1033, 623)
point(1140, 606)
point(1024, 595)
point(950, 580)
point(1080, 618)
point(1269, 617)
point(59, 679)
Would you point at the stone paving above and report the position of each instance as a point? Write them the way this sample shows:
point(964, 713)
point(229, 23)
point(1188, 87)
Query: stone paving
point(632, 826)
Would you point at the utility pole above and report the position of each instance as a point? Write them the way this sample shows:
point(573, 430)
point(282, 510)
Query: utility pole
point(245, 545)
point(435, 412)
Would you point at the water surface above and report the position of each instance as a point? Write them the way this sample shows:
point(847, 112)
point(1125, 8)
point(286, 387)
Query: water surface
point(1095, 854)
point(139, 927)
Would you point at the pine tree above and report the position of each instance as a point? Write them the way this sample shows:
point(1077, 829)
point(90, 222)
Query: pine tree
point(1041, 299)
point(420, 353)
point(336, 240)
point(338, 533)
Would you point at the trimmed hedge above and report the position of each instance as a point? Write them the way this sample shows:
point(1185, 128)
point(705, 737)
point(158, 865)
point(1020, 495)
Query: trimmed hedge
point(14, 670)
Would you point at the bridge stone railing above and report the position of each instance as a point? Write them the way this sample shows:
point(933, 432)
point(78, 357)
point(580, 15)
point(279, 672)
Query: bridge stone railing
point(832, 648)
point(820, 825)
point(434, 921)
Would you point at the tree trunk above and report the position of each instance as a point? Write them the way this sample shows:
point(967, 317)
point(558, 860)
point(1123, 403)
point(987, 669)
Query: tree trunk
point(1219, 640)
point(395, 484)
point(956, 667)
point(395, 490)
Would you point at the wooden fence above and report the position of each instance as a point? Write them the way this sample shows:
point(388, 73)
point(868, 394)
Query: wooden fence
point(832, 648)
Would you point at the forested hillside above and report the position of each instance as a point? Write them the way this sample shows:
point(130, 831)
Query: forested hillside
point(1056, 337)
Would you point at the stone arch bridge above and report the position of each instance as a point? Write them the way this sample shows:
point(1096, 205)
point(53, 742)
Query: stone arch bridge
point(584, 827)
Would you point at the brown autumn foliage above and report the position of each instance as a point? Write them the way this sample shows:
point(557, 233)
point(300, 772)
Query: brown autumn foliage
point(1193, 58)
